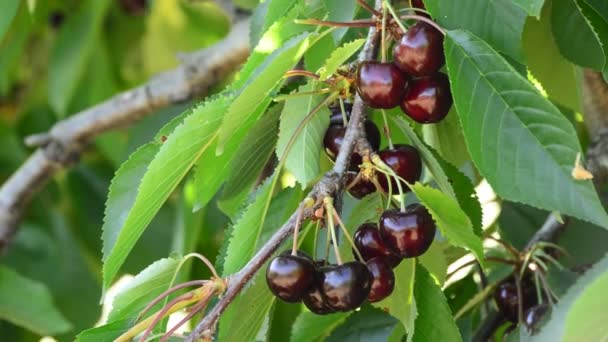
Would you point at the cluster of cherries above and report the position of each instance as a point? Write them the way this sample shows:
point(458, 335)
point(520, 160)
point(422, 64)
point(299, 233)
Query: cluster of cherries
point(296, 277)
point(412, 80)
point(507, 301)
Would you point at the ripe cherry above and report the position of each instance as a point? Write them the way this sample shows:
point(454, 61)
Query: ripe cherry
point(346, 286)
point(405, 161)
point(336, 111)
point(315, 300)
point(419, 52)
point(334, 136)
point(383, 281)
point(381, 85)
point(418, 4)
point(534, 315)
point(428, 99)
point(407, 234)
point(362, 188)
point(369, 243)
point(289, 277)
point(506, 298)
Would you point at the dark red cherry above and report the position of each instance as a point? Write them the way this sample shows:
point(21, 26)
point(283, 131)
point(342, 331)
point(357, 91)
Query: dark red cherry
point(336, 110)
point(418, 4)
point(334, 136)
point(405, 161)
point(534, 315)
point(369, 243)
point(506, 298)
point(360, 189)
point(346, 286)
point(428, 99)
point(383, 279)
point(407, 234)
point(380, 85)
point(419, 52)
point(314, 299)
point(289, 277)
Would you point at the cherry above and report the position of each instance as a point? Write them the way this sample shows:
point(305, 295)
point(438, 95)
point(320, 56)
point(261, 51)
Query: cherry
point(418, 4)
point(383, 281)
point(362, 188)
point(346, 286)
point(314, 299)
point(407, 234)
point(428, 99)
point(336, 111)
point(419, 52)
point(289, 277)
point(334, 136)
point(534, 315)
point(506, 299)
point(381, 85)
point(405, 161)
point(369, 243)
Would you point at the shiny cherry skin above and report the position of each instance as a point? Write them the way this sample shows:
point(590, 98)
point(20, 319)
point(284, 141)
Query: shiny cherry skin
point(289, 277)
point(336, 111)
point(380, 85)
point(346, 286)
point(383, 279)
point(405, 161)
point(360, 189)
point(315, 300)
point(418, 4)
point(334, 136)
point(534, 315)
point(370, 244)
point(419, 52)
point(428, 99)
point(506, 298)
point(407, 234)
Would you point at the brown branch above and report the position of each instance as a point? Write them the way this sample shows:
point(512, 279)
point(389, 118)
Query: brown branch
point(62, 145)
point(330, 185)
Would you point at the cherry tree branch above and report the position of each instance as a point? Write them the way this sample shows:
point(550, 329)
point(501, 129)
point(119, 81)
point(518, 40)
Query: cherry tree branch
point(62, 145)
point(330, 185)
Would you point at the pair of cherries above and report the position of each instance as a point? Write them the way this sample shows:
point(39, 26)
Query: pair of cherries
point(507, 301)
point(397, 235)
point(322, 288)
point(403, 159)
point(412, 80)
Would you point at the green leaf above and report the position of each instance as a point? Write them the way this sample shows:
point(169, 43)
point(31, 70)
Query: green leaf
point(502, 24)
point(341, 11)
point(518, 140)
point(255, 151)
point(583, 300)
point(142, 289)
point(310, 327)
point(168, 167)
point(447, 139)
point(401, 303)
point(532, 7)
point(240, 115)
point(368, 209)
point(556, 74)
point(434, 321)
point(28, 304)
point(8, 8)
point(107, 332)
point(454, 224)
point(303, 158)
point(577, 35)
point(367, 324)
point(265, 15)
point(212, 170)
point(71, 52)
point(600, 6)
point(339, 57)
point(13, 47)
point(435, 261)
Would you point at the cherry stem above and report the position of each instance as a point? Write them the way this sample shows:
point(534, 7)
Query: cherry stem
point(353, 23)
point(346, 234)
point(370, 9)
point(343, 111)
point(506, 245)
point(474, 261)
point(383, 36)
point(332, 229)
point(353, 182)
point(520, 300)
point(195, 309)
point(163, 312)
point(298, 72)
point(395, 16)
point(168, 292)
point(294, 247)
point(314, 243)
point(387, 130)
point(382, 167)
point(327, 243)
point(425, 19)
point(415, 9)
